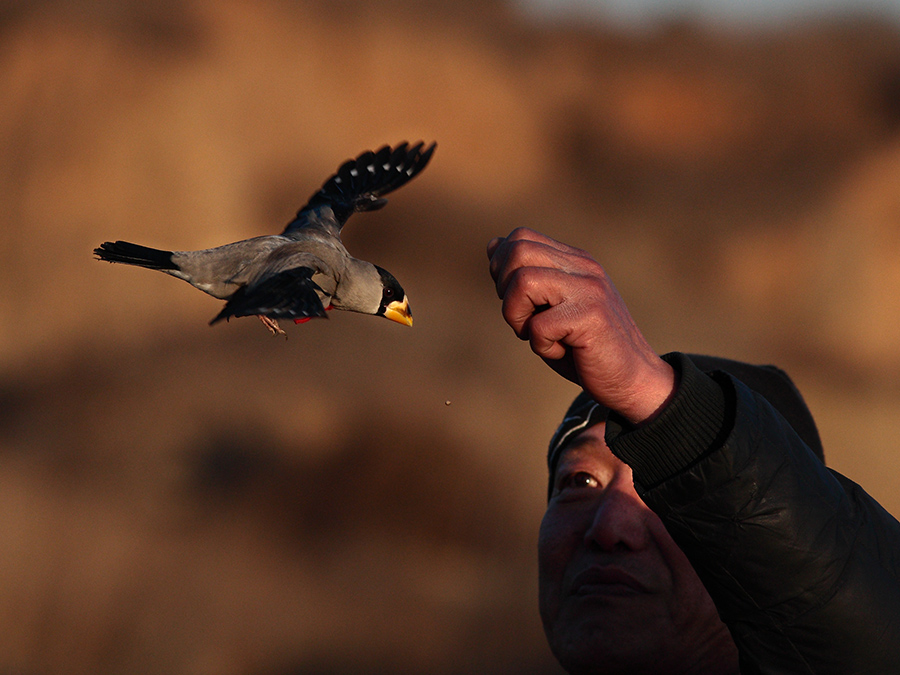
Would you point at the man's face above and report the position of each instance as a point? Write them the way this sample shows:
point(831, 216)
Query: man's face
point(616, 593)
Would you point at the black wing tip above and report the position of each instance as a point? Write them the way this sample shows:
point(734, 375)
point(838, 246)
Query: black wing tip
point(401, 149)
point(359, 184)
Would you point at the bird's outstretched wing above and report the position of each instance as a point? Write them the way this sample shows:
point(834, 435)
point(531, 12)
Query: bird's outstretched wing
point(290, 294)
point(359, 184)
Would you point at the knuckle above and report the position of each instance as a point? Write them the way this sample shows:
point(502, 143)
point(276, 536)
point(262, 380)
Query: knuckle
point(522, 232)
point(524, 253)
point(526, 280)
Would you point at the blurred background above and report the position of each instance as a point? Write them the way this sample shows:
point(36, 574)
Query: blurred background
point(362, 497)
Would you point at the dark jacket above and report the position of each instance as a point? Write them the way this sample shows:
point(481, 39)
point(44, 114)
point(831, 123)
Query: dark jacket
point(803, 565)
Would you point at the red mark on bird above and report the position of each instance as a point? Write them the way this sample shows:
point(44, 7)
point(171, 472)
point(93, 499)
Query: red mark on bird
point(307, 318)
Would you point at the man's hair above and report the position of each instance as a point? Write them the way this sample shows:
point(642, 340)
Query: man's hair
point(769, 381)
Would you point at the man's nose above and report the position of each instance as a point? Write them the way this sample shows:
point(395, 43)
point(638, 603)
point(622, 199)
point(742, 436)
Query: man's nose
point(620, 521)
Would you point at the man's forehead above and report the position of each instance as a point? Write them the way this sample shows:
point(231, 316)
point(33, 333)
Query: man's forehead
point(588, 443)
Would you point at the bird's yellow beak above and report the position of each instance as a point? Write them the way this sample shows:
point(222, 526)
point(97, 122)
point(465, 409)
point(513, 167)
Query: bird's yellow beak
point(399, 311)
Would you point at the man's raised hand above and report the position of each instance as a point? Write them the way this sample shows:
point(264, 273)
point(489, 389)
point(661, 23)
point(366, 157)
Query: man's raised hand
point(562, 301)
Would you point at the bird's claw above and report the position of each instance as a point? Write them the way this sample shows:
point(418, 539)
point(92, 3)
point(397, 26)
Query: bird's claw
point(272, 325)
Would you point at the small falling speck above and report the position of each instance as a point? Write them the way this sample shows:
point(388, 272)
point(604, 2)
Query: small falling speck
point(447, 402)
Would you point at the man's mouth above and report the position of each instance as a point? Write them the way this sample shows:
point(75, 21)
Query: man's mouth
point(605, 581)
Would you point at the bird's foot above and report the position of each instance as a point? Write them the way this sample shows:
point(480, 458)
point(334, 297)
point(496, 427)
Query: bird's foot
point(272, 325)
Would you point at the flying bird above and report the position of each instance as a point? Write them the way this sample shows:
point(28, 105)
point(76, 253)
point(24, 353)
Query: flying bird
point(305, 270)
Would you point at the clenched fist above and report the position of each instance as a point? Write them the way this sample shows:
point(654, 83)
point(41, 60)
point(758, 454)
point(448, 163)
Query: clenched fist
point(562, 301)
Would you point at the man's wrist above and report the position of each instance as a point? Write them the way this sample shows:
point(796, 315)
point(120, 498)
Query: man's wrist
point(683, 430)
point(653, 396)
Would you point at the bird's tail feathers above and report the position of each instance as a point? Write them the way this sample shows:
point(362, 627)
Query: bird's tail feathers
point(135, 254)
point(359, 184)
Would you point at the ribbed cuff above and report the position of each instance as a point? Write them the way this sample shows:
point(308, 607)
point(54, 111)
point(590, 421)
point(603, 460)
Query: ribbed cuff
point(683, 432)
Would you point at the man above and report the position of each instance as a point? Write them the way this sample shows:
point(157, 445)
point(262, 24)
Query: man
point(692, 526)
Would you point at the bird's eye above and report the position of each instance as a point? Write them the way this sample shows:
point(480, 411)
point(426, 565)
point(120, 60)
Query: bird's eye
point(389, 292)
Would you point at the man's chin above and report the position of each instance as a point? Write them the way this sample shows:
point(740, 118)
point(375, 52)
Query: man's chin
point(596, 654)
point(614, 630)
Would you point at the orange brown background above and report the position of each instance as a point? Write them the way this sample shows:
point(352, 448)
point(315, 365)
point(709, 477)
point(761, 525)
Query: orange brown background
point(184, 499)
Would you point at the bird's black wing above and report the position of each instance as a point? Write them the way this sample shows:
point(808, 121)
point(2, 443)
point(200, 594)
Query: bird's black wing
point(290, 294)
point(359, 184)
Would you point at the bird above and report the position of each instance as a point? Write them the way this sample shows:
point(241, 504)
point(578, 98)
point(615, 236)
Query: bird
point(306, 270)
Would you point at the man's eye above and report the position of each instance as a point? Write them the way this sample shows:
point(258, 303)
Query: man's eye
point(579, 479)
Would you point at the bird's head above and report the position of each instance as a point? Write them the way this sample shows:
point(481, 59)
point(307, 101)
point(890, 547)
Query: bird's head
point(394, 305)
